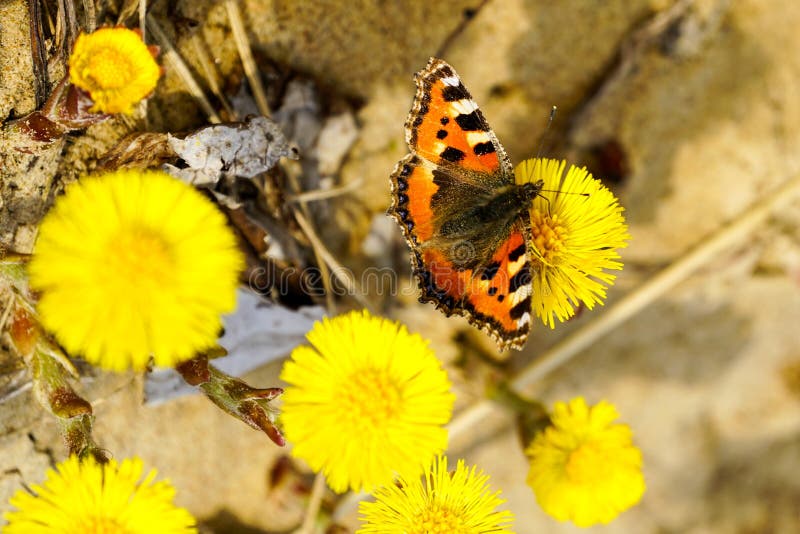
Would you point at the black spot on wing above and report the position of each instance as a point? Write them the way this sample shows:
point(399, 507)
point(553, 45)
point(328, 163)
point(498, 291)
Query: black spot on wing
point(490, 271)
point(522, 278)
point(471, 122)
point(441, 134)
point(520, 308)
point(446, 71)
point(452, 93)
point(444, 121)
point(492, 291)
point(515, 254)
point(481, 149)
point(501, 297)
point(452, 155)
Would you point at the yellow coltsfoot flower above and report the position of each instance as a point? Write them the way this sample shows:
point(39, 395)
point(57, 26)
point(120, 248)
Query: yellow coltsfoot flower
point(367, 401)
point(85, 497)
point(134, 264)
point(442, 502)
point(584, 468)
point(576, 232)
point(115, 67)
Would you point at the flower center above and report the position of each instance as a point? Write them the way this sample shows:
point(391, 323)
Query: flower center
point(588, 465)
point(109, 68)
point(371, 398)
point(548, 234)
point(141, 258)
point(438, 518)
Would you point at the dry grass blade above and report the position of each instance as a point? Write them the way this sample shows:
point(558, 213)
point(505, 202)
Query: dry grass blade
point(249, 64)
point(38, 52)
point(91, 15)
point(327, 258)
point(208, 69)
point(323, 194)
point(143, 18)
point(66, 27)
point(171, 56)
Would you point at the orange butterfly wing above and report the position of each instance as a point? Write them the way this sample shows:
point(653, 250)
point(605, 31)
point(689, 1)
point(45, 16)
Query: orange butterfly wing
point(455, 158)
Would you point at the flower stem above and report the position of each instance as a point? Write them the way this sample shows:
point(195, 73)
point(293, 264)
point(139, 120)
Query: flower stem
point(66, 110)
point(233, 396)
point(48, 366)
point(314, 503)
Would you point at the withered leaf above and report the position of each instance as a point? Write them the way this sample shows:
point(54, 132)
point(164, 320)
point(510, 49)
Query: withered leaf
point(236, 149)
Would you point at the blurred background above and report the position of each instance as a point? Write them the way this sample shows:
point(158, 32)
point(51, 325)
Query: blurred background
point(688, 110)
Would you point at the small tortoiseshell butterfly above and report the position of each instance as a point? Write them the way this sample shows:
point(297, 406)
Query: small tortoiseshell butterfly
point(461, 211)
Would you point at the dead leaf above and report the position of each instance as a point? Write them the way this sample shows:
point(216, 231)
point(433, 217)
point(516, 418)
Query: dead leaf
point(236, 149)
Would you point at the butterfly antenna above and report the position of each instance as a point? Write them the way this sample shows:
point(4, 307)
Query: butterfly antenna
point(563, 192)
point(546, 130)
point(539, 153)
point(547, 199)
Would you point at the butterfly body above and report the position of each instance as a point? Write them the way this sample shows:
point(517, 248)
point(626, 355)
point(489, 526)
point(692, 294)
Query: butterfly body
point(484, 219)
point(461, 211)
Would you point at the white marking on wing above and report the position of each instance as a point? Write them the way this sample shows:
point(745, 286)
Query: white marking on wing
point(520, 294)
point(465, 105)
point(515, 266)
point(473, 138)
point(452, 81)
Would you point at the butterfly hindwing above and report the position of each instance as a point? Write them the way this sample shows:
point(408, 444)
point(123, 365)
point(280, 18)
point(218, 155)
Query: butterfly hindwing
point(502, 299)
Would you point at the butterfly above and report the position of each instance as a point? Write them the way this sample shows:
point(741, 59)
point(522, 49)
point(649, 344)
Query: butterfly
point(461, 211)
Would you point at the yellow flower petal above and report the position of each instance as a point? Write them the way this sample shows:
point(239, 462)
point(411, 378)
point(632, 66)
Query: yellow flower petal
point(575, 236)
point(367, 401)
point(115, 67)
point(440, 503)
point(584, 468)
point(134, 264)
point(84, 497)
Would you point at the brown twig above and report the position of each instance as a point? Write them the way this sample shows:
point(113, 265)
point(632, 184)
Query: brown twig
point(38, 52)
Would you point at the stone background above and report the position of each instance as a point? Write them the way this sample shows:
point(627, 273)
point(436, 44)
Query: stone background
point(691, 112)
